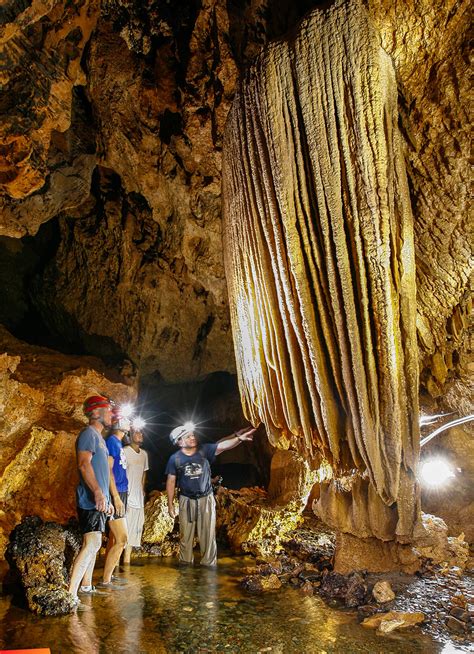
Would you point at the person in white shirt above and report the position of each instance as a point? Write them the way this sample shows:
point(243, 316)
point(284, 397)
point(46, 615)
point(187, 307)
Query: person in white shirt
point(137, 465)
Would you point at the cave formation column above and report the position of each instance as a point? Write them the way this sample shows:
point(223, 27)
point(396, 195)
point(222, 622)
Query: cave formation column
point(319, 256)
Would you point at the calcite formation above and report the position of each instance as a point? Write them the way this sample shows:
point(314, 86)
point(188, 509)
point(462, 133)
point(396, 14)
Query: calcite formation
point(256, 521)
point(158, 523)
point(41, 399)
point(320, 264)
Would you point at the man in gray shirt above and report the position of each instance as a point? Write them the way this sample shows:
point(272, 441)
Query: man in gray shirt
point(92, 494)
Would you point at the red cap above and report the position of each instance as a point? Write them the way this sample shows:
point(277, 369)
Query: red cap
point(96, 402)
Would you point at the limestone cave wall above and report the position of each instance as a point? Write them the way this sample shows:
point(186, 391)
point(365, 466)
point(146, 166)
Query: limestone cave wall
point(113, 118)
point(41, 397)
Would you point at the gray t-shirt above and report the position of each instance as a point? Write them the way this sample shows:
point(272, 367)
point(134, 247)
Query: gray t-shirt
point(89, 440)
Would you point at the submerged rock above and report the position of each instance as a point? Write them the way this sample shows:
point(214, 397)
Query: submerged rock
point(41, 555)
point(382, 592)
point(351, 590)
point(257, 584)
point(387, 622)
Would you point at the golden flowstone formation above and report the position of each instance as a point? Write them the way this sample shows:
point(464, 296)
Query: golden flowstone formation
point(320, 267)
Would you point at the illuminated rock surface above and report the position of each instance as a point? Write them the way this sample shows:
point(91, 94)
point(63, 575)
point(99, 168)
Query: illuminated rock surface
point(320, 267)
point(253, 520)
point(42, 392)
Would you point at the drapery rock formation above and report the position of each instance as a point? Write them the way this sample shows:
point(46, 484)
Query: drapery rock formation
point(113, 125)
point(320, 266)
point(41, 399)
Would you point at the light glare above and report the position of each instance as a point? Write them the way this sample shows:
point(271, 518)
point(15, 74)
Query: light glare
point(189, 426)
point(435, 472)
point(126, 410)
point(138, 424)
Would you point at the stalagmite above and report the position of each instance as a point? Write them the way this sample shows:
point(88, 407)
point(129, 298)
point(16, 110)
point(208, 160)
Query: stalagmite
point(320, 266)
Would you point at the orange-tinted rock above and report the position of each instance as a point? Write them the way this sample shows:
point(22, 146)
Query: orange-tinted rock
point(41, 399)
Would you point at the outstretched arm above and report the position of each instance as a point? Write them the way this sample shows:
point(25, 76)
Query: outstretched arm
point(232, 441)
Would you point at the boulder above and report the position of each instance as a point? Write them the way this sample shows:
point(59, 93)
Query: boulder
point(382, 592)
point(41, 556)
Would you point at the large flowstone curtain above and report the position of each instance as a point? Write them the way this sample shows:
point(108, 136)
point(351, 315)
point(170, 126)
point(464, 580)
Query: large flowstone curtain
point(319, 259)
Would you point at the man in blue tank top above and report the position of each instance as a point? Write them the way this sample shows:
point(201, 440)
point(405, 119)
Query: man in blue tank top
point(119, 490)
point(189, 469)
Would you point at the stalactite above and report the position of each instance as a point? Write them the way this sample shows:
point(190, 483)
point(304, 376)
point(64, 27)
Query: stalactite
point(320, 263)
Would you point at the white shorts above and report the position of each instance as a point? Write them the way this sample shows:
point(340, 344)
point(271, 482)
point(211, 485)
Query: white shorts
point(135, 519)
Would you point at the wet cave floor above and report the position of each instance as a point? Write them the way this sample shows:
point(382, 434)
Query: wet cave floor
point(166, 609)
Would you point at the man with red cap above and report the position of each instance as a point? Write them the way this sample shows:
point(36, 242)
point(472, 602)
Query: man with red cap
point(92, 494)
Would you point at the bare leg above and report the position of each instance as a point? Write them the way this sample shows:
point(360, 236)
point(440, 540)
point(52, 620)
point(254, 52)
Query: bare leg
point(127, 553)
point(87, 579)
point(119, 530)
point(90, 546)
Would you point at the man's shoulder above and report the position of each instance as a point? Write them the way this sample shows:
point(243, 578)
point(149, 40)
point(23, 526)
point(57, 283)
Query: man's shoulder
point(113, 443)
point(208, 449)
point(86, 435)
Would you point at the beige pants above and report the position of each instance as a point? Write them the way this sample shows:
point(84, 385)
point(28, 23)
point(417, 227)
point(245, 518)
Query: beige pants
point(200, 513)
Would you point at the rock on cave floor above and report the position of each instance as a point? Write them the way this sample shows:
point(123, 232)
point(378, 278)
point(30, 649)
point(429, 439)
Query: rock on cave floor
point(166, 609)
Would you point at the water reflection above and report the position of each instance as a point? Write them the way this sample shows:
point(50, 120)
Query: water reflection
point(165, 609)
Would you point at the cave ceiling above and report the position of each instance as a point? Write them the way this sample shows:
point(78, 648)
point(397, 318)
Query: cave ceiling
point(114, 116)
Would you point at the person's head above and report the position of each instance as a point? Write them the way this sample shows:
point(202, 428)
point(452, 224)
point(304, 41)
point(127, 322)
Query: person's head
point(120, 423)
point(98, 408)
point(136, 437)
point(183, 436)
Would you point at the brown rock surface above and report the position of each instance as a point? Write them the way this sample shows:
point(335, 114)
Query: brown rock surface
point(158, 523)
point(147, 106)
point(255, 521)
point(41, 555)
point(42, 44)
point(41, 398)
point(387, 622)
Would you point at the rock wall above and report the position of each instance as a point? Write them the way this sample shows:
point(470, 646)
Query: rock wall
point(113, 123)
point(41, 399)
point(144, 91)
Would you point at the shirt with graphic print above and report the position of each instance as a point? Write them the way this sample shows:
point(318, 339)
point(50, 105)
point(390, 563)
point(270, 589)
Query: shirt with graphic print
point(193, 473)
point(114, 445)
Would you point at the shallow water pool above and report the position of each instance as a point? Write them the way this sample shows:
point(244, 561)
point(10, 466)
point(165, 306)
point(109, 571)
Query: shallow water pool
point(167, 609)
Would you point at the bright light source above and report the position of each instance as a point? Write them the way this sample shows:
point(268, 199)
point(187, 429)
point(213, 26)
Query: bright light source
point(435, 472)
point(189, 426)
point(126, 410)
point(138, 423)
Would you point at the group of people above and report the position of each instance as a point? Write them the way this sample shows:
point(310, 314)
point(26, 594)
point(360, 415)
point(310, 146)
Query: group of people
point(111, 492)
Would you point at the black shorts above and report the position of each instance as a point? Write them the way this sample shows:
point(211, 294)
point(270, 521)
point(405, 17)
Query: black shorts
point(124, 498)
point(91, 520)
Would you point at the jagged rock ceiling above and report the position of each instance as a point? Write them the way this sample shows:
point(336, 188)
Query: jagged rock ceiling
point(140, 95)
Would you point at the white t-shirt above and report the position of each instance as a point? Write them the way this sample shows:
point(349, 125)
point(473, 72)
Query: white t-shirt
point(137, 463)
